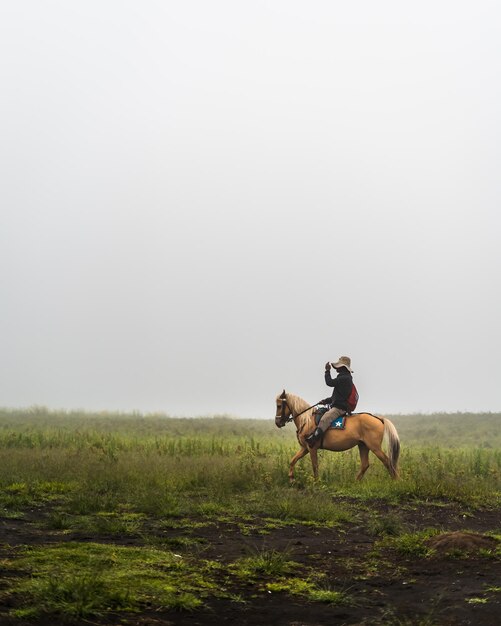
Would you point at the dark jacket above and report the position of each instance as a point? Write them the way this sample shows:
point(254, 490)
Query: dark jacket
point(342, 388)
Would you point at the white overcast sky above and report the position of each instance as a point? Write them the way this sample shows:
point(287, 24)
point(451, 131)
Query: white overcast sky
point(203, 202)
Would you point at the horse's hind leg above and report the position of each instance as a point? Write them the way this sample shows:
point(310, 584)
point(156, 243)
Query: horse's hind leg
point(295, 459)
point(364, 459)
point(385, 460)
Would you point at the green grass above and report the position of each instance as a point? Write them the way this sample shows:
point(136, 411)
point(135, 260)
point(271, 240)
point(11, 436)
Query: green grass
point(451, 430)
point(74, 580)
point(385, 525)
point(411, 544)
point(110, 476)
point(101, 523)
point(309, 590)
point(167, 467)
point(270, 563)
point(264, 565)
point(84, 580)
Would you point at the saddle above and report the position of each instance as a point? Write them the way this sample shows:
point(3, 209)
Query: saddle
point(338, 423)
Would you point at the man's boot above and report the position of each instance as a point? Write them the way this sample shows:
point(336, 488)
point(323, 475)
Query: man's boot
point(315, 436)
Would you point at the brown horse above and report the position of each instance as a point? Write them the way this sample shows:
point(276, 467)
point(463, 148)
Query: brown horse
point(362, 429)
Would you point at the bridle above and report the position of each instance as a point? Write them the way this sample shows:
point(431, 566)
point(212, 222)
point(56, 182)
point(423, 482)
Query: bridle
point(283, 418)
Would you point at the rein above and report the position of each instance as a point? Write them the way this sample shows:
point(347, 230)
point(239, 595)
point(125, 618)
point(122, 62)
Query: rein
point(286, 420)
point(310, 407)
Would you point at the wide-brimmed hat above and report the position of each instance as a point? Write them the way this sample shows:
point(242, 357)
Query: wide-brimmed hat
point(343, 361)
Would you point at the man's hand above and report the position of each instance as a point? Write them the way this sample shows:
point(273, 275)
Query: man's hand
point(327, 366)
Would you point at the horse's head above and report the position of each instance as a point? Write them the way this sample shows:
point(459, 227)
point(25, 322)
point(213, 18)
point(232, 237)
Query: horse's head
point(283, 411)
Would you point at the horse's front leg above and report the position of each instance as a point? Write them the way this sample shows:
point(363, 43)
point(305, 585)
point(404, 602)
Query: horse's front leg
point(299, 455)
point(314, 462)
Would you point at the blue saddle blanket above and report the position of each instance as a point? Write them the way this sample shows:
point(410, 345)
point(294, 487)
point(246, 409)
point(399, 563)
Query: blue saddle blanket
point(337, 423)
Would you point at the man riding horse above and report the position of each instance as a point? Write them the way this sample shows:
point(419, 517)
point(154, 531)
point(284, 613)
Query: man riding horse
point(342, 384)
point(365, 430)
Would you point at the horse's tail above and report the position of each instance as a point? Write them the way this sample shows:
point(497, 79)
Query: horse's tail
point(394, 445)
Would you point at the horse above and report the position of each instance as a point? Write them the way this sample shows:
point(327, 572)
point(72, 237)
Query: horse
point(364, 430)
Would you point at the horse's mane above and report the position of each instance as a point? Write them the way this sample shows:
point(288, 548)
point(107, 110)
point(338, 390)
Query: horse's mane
point(296, 404)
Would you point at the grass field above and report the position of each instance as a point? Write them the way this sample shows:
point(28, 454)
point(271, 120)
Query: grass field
point(118, 515)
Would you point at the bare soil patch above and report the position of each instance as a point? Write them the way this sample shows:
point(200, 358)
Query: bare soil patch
point(384, 586)
point(446, 543)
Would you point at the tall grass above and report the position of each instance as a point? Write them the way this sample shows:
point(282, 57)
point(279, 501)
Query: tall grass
point(166, 467)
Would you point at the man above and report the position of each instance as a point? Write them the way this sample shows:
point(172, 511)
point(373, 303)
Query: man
point(338, 401)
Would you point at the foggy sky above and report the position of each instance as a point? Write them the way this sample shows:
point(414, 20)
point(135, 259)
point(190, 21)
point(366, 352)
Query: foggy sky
point(203, 202)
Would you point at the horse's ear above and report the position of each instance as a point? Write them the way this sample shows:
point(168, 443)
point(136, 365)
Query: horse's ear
point(283, 394)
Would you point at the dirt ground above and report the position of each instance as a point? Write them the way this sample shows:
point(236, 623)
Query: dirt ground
point(385, 589)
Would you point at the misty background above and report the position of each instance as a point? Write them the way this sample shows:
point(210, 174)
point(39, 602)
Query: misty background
point(203, 202)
